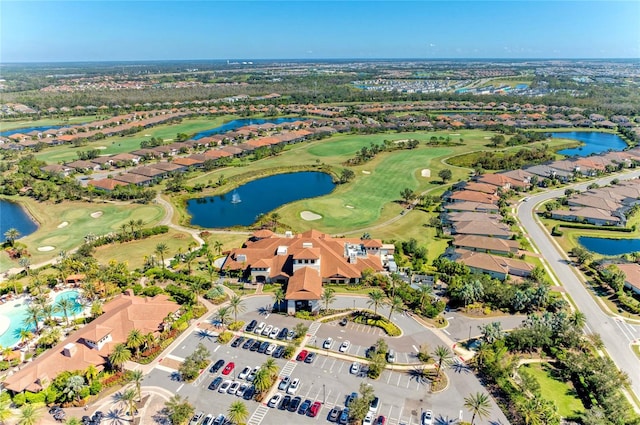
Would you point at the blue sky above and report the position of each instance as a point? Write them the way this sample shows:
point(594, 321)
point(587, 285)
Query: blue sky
point(38, 31)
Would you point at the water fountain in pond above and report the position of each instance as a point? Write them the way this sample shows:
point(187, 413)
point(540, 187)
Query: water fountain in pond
point(235, 198)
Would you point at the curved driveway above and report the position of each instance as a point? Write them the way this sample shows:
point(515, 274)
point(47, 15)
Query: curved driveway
point(615, 332)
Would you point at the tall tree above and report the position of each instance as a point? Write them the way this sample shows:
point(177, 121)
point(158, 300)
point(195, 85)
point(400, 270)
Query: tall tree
point(128, 397)
point(179, 410)
point(135, 339)
point(238, 412)
point(223, 314)
point(395, 305)
point(11, 235)
point(328, 296)
point(376, 299)
point(137, 376)
point(271, 367)
point(478, 404)
point(64, 306)
point(278, 297)
point(119, 356)
point(237, 306)
point(29, 415)
point(443, 358)
point(34, 314)
point(161, 250)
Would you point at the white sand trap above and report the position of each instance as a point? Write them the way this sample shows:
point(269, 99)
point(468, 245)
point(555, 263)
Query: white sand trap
point(46, 248)
point(100, 147)
point(426, 172)
point(147, 135)
point(487, 137)
point(310, 216)
point(96, 214)
point(366, 172)
point(349, 206)
point(454, 134)
point(63, 224)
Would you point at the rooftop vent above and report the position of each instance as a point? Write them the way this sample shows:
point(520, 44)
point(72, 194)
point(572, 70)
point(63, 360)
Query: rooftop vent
point(70, 349)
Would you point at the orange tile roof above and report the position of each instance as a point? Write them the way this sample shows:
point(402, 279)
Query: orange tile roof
point(305, 284)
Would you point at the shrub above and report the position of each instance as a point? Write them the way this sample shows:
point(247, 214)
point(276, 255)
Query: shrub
point(304, 315)
point(4, 365)
point(225, 337)
point(95, 387)
point(236, 326)
point(35, 397)
point(152, 291)
point(19, 399)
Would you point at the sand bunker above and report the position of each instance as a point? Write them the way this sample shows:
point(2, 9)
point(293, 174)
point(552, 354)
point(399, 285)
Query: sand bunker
point(96, 214)
point(454, 134)
point(100, 147)
point(310, 216)
point(487, 137)
point(426, 172)
point(349, 206)
point(63, 224)
point(366, 172)
point(46, 248)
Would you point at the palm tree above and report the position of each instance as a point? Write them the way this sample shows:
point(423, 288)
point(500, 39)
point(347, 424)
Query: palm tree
point(425, 291)
point(161, 249)
point(274, 220)
point(128, 397)
point(64, 306)
point(238, 412)
point(25, 263)
point(179, 410)
point(223, 314)
point(328, 296)
point(137, 376)
point(262, 381)
point(376, 299)
point(34, 314)
point(478, 404)
point(72, 421)
point(217, 247)
point(237, 306)
point(135, 339)
point(395, 306)
point(11, 235)
point(47, 312)
point(119, 356)
point(271, 367)
point(91, 374)
point(443, 357)
point(25, 335)
point(278, 297)
point(73, 387)
point(5, 410)
point(29, 415)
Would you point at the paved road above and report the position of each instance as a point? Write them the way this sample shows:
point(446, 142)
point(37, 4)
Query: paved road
point(616, 334)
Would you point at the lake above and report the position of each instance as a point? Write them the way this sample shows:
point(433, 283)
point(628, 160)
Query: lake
point(605, 246)
point(594, 142)
point(30, 129)
point(242, 206)
point(12, 216)
point(235, 124)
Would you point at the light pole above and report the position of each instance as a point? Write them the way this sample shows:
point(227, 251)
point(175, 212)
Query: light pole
point(354, 304)
point(469, 334)
point(324, 394)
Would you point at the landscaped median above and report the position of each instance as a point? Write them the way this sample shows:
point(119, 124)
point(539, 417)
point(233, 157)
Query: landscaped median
point(366, 317)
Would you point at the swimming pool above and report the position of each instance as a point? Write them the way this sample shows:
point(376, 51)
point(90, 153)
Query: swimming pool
point(13, 315)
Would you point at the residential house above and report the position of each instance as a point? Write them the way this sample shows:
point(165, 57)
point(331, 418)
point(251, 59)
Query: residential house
point(631, 276)
point(493, 265)
point(486, 244)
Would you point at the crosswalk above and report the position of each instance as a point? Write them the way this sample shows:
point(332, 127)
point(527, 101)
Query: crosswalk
point(313, 328)
point(258, 415)
point(288, 368)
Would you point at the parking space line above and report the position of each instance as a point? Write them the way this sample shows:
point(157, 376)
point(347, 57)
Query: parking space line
point(399, 378)
point(332, 364)
point(388, 376)
point(180, 387)
point(406, 357)
point(341, 366)
point(324, 362)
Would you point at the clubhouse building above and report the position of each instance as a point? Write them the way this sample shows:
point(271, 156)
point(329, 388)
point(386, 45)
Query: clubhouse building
point(304, 262)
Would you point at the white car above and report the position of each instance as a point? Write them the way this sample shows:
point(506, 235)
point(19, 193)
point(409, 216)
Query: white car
point(252, 375)
point(355, 368)
point(293, 386)
point(234, 387)
point(368, 420)
point(286, 380)
point(427, 418)
point(327, 343)
point(245, 373)
point(274, 332)
point(270, 349)
point(267, 330)
point(344, 346)
point(224, 387)
point(373, 407)
point(259, 328)
point(241, 389)
point(275, 400)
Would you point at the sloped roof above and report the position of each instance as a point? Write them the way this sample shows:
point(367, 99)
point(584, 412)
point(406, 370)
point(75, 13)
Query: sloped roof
point(305, 284)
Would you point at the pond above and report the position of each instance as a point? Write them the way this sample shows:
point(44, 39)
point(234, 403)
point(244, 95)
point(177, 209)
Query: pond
point(14, 217)
point(594, 142)
point(606, 246)
point(242, 206)
point(235, 124)
point(26, 130)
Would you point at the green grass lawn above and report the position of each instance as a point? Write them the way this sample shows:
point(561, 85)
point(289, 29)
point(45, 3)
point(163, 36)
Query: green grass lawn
point(561, 393)
point(80, 222)
point(25, 123)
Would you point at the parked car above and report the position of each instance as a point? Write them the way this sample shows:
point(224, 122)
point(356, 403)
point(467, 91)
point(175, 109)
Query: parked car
point(355, 368)
point(255, 346)
point(427, 418)
point(344, 417)
point(263, 347)
point(295, 403)
point(208, 420)
point(391, 356)
point(248, 343)
point(215, 383)
point(266, 331)
point(350, 399)
point(282, 386)
point(291, 335)
point(274, 332)
point(195, 419)
point(373, 406)
point(310, 357)
point(224, 387)
point(283, 333)
point(252, 375)
point(240, 391)
point(279, 351)
point(236, 342)
point(327, 343)
point(219, 420)
point(275, 400)
point(293, 386)
point(216, 366)
point(381, 420)
point(314, 409)
point(251, 326)
point(304, 407)
point(334, 414)
point(344, 321)
point(249, 393)
point(270, 349)
point(344, 346)
point(284, 404)
point(233, 387)
point(245, 373)
point(228, 368)
point(302, 355)
point(259, 328)
point(368, 420)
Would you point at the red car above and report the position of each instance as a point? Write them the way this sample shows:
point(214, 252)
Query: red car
point(303, 355)
point(228, 368)
point(381, 420)
point(314, 409)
